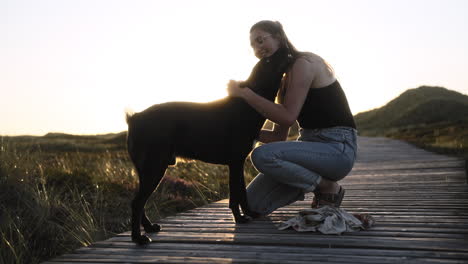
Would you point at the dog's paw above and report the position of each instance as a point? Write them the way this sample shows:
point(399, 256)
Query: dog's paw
point(141, 240)
point(242, 219)
point(153, 228)
point(253, 214)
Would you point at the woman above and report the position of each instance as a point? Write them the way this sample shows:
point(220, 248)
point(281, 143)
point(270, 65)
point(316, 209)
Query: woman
point(325, 151)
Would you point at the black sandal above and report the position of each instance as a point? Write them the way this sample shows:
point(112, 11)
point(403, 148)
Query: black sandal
point(330, 199)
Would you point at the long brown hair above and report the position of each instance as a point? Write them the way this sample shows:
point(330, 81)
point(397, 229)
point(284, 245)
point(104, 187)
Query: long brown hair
point(276, 29)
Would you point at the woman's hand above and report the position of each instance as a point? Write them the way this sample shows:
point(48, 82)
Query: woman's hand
point(234, 89)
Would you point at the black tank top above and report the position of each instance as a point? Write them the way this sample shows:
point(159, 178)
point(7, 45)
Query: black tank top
point(326, 107)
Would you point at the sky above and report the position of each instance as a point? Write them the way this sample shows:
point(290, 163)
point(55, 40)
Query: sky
point(77, 66)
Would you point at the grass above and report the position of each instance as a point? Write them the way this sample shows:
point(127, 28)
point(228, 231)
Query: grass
point(59, 193)
point(448, 138)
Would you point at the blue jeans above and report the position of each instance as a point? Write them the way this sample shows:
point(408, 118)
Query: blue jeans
point(289, 169)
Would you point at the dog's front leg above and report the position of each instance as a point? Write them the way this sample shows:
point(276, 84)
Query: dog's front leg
point(237, 194)
point(244, 205)
point(243, 202)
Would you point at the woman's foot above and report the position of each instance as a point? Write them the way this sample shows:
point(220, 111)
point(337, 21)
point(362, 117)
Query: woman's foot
point(328, 193)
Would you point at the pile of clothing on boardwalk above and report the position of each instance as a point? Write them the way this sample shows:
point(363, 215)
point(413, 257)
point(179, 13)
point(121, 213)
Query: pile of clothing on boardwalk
point(328, 220)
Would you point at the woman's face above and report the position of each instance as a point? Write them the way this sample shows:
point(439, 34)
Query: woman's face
point(263, 43)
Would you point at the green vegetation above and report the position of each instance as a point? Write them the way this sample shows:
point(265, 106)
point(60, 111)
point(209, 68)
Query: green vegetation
point(433, 118)
point(60, 192)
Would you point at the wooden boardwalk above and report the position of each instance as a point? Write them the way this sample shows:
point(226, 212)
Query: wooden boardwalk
point(419, 200)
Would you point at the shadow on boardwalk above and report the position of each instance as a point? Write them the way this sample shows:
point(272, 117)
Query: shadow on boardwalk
point(419, 200)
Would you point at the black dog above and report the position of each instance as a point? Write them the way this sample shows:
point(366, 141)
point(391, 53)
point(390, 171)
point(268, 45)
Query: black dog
point(219, 132)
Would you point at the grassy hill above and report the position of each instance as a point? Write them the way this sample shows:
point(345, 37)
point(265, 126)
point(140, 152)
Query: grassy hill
point(431, 117)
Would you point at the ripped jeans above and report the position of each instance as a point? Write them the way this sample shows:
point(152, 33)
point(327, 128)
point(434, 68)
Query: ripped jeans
point(289, 169)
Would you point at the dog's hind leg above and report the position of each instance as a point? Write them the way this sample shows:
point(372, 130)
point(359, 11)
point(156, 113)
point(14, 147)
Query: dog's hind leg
point(150, 176)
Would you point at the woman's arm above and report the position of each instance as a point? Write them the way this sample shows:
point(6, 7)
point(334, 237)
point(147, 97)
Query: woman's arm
point(286, 113)
point(279, 133)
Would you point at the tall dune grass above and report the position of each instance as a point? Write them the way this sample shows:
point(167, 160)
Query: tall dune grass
point(54, 201)
point(448, 138)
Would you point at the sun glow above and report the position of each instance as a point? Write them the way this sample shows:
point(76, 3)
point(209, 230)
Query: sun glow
point(76, 66)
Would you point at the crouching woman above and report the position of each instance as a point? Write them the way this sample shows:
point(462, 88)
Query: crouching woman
point(325, 151)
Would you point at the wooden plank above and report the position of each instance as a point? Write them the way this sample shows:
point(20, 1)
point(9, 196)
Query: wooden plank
point(382, 232)
point(419, 200)
point(311, 240)
point(378, 211)
point(161, 247)
point(347, 252)
point(379, 231)
point(398, 165)
point(241, 257)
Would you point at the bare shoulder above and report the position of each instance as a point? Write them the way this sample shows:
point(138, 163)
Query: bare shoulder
point(311, 57)
point(309, 60)
point(302, 64)
point(316, 66)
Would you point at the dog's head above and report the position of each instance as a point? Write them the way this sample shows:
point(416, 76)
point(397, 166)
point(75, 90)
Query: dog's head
point(266, 76)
